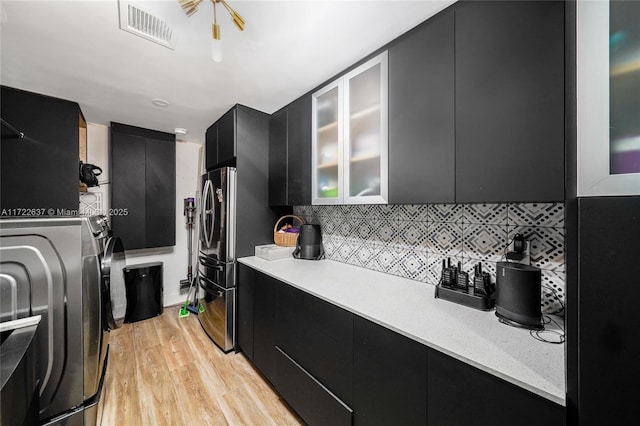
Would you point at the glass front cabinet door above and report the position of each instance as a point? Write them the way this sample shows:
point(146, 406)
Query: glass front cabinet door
point(350, 121)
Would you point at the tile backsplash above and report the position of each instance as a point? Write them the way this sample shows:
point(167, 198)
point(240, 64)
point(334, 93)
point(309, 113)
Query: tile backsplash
point(412, 240)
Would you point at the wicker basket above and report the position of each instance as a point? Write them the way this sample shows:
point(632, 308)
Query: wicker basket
point(285, 239)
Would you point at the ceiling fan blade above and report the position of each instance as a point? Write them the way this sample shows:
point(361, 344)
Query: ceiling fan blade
point(189, 7)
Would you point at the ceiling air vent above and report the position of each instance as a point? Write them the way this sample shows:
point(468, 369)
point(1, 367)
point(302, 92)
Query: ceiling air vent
point(143, 24)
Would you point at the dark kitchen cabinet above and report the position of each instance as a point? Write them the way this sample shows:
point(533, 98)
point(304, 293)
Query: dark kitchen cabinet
point(334, 367)
point(389, 377)
point(318, 336)
point(459, 394)
point(290, 155)
point(143, 186)
point(211, 146)
point(247, 278)
point(220, 141)
point(608, 340)
point(264, 325)
point(227, 136)
point(315, 404)
point(278, 159)
point(421, 114)
point(509, 97)
point(240, 138)
point(39, 172)
point(299, 152)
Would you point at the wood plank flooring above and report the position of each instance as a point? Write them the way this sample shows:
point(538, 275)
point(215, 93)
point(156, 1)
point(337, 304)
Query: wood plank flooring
point(166, 371)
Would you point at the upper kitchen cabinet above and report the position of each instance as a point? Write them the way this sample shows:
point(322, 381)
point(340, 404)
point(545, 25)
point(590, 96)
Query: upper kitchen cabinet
point(290, 155)
point(509, 97)
point(278, 162)
point(349, 137)
point(143, 186)
point(220, 140)
point(39, 172)
point(421, 114)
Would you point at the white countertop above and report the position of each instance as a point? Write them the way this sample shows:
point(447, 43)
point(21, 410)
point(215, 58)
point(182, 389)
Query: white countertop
point(410, 308)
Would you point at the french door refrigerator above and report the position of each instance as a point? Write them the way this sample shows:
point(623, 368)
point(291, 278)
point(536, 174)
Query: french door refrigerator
point(217, 256)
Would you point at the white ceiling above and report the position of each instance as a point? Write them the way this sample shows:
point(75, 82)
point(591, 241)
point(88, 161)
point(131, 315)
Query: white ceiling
point(75, 50)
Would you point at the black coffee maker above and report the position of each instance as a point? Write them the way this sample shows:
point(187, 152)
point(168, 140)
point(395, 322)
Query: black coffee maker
point(309, 245)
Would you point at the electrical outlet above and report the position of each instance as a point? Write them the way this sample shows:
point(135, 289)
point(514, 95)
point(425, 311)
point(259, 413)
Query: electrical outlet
point(184, 286)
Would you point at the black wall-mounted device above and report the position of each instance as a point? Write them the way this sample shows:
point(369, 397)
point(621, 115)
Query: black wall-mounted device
point(519, 246)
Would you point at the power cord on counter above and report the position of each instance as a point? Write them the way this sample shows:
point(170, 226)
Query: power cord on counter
point(544, 334)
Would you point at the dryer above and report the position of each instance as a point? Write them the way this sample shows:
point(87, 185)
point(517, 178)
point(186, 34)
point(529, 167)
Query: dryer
point(69, 271)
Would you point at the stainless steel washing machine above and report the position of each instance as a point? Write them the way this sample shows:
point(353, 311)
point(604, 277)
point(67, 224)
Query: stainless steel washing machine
point(69, 271)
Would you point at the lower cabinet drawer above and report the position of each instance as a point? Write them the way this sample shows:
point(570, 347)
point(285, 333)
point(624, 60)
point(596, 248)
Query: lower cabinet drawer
point(307, 396)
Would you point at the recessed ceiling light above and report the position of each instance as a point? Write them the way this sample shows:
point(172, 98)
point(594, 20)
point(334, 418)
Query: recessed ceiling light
point(180, 131)
point(160, 103)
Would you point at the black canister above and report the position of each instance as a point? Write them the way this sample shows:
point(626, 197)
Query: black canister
point(518, 294)
point(309, 245)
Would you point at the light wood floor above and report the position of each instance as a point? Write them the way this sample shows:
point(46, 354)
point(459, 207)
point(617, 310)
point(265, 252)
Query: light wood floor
point(166, 371)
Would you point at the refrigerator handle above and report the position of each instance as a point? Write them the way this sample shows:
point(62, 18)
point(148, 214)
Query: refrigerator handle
point(207, 194)
point(204, 261)
point(212, 212)
point(203, 214)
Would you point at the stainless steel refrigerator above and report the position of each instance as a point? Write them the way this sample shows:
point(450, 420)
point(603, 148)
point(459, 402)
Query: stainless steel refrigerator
point(217, 256)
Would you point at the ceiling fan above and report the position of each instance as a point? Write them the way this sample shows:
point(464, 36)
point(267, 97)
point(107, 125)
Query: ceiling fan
point(191, 6)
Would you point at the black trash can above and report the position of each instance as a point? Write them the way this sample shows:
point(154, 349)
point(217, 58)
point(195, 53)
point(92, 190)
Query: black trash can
point(144, 288)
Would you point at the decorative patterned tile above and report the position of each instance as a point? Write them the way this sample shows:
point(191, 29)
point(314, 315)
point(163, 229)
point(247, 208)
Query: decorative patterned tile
point(536, 214)
point(485, 214)
point(330, 225)
point(371, 212)
point(364, 229)
point(348, 248)
point(450, 213)
point(553, 292)
point(310, 219)
point(546, 246)
point(385, 232)
point(360, 210)
point(385, 210)
point(412, 235)
point(445, 238)
point(411, 240)
point(345, 228)
point(413, 265)
point(326, 211)
point(411, 212)
point(349, 211)
point(387, 260)
point(365, 254)
point(331, 245)
point(329, 211)
point(485, 242)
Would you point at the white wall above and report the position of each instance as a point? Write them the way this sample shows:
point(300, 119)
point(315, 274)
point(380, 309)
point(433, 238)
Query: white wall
point(188, 163)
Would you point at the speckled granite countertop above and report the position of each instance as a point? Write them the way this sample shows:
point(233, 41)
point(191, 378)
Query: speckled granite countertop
point(409, 308)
